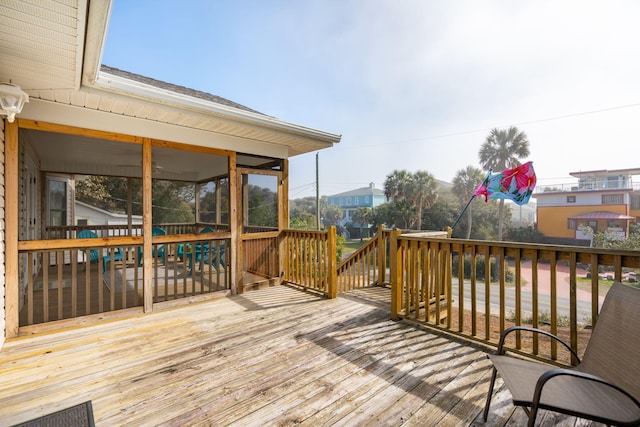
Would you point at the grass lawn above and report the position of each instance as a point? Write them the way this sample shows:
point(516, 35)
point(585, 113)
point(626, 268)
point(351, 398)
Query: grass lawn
point(351, 245)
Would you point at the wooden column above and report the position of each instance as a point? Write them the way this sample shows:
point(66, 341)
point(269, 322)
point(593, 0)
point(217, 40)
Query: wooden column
point(283, 197)
point(332, 273)
point(382, 257)
point(147, 220)
point(235, 226)
point(283, 218)
point(11, 185)
point(395, 257)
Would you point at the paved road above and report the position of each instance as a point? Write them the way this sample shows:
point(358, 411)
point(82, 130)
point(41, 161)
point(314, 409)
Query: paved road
point(544, 301)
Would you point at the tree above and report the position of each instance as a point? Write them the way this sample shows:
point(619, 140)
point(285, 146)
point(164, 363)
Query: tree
point(361, 216)
point(423, 192)
point(332, 215)
point(396, 184)
point(502, 150)
point(304, 207)
point(464, 184)
point(418, 189)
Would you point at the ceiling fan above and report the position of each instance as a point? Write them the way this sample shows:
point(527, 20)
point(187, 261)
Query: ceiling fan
point(154, 166)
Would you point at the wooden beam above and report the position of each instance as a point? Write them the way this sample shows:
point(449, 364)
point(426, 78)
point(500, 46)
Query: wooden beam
point(11, 188)
point(72, 130)
point(147, 224)
point(234, 225)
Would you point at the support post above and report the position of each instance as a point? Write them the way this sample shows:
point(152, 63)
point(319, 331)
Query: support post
point(382, 257)
point(332, 273)
point(395, 256)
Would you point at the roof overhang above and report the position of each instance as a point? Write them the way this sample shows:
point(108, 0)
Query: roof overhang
point(53, 50)
point(602, 215)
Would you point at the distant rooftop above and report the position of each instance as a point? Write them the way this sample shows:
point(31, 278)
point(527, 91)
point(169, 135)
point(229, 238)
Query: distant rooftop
point(602, 172)
point(371, 190)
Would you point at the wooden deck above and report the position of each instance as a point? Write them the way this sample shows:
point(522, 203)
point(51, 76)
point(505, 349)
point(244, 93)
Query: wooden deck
point(271, 357)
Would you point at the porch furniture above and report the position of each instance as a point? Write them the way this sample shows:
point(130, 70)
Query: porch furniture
point(182, 247)
point(604, 387)
point(213, 256)
point(93, 253)
point(116, 256)
point(202, 252)
point(80, 415)
point(159, 250)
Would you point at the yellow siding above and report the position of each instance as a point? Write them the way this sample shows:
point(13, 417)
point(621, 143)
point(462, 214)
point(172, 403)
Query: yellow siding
point(553, 221)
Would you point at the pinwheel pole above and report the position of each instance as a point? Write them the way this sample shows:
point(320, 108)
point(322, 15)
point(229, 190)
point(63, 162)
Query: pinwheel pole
point(469, 202)
point(462, 213)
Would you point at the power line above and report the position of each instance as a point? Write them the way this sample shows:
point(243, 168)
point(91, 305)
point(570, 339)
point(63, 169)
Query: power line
point(467, 132)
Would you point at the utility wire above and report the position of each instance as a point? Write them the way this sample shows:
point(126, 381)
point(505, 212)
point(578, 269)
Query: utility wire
point(466, 132)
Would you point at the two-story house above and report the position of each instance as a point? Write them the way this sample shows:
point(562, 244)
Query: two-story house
point(350, 201)
point(604, 200)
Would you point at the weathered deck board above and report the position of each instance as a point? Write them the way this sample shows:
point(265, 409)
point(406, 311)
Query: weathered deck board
point(275, 357)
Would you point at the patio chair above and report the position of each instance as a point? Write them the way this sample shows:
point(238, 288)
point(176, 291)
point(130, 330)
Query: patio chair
point(603, 387)
point(180, 251)
point(93, 253)
point(116, 256)
point(207, 255)
point(159, 250)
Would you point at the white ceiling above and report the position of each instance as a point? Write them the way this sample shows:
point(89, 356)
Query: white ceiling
point(81, 155)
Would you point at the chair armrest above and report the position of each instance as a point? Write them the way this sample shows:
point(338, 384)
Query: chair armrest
point(507, 331)
point(549, 375)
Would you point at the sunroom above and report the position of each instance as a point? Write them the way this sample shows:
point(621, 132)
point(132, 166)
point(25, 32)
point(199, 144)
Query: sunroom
point(198, 182)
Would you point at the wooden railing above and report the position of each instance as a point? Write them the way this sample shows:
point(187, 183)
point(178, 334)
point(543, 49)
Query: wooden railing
point(310, 259)
point(122, 230)
point(477, 289)
point(367, 266)
point(260, 254)
point(68, 278)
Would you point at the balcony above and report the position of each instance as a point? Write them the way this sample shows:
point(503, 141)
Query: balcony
point(626, 185)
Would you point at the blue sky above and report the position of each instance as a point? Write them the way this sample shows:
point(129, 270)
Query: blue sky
point(409, 84)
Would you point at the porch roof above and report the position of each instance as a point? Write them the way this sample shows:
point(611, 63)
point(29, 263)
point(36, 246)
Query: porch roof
point(52, 50)
point(601, 215)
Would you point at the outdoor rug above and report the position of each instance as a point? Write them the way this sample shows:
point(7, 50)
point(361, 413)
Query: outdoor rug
point(169, 279)
point(76, 416)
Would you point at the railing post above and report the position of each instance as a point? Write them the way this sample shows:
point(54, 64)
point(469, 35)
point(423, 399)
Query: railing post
point(395, 275)
point(382, 257)
point(283, 255)
point(332, 273)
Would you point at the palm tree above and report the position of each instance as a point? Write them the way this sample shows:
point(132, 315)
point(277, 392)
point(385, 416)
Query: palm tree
point(395, 184)
point(423, 192)
point(464, 184)
point(502, 150)
point(361, 216)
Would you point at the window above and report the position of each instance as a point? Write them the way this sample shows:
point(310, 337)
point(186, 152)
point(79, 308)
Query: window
point(571, 224)
point(635, 202)
point(612, 199)
point(57, 197)
point(367, 199)
point(348, 201)
point(571, 199)
point(259, 202)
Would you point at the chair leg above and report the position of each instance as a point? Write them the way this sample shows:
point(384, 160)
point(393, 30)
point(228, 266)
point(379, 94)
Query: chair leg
point(490, 393)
